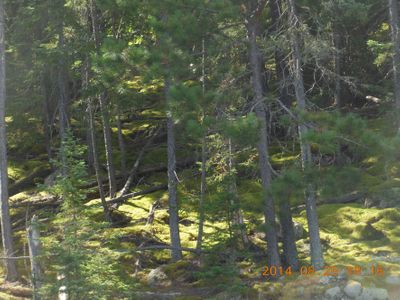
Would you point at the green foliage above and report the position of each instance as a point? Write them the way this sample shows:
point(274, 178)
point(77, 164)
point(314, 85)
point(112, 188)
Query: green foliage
point(84, 271)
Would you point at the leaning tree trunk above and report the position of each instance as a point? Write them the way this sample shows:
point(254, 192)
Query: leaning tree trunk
point(394, 25)
point(172, 184)
point(264, 166)
point(105, 117)
point(306, 158)
point(6, 230)
point(96, 163)
point(104, 108)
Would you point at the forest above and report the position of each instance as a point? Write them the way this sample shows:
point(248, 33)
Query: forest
point(200, 149)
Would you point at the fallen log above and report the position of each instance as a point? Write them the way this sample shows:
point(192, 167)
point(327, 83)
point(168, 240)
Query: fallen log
point(121, 199)
point(16, 290)
point(133, 171)
point(347, 198)
point(28, 181)
point(37, 202)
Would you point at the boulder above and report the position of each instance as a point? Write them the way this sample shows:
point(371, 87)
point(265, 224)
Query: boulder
point(158, 278)
point(353, 289)
point(393, 280)
point(373, 294)
point(333, 293)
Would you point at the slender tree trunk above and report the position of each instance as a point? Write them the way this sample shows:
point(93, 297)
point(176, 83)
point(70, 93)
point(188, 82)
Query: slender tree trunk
point(264, 166)
point(104, 108)
point(172, 184)
point(96, 163)
point(62, 98)
point(105, 116)
point(280, 61)
point(237, 215)
point(289, 238)
point(337, 43)
point(47, 118)
point(310, 194)
point(394, 25)
point(122, 147)
point(6, 230)
point(203, 185)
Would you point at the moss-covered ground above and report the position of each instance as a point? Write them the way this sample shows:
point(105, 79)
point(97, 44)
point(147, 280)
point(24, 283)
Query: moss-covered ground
point(345, 230)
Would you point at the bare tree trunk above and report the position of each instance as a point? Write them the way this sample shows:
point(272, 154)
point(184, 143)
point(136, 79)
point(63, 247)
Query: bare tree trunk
point(34, 252)
point(122, 147)
point(6, 231)
point(172, 183)
point(280, 61)
point(96, 162)
point(135, 168)
point(47, 115)
point(255, 57)
point(203, 185)
point(337, 43)
point(310, 195)
point(202, 193)
point(394, 25)
point(105, 116)
point(62, 98)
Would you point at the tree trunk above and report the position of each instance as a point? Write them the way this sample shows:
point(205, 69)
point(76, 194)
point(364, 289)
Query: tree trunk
point(172, 184)
point(394, 25)
point(289, 239)
point(337, 43)
point(96, 162)
point(62, 98)
point(280, 61)
point(34, 252)
point(237, 215)
point(105, 116)
point(122, 147)
point(6, 231)
point(264, 166)
point(203, 185)
point(310, 195)
point(202, 193)
point(104, 108)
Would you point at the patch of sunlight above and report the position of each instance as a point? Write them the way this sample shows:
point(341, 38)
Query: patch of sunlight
point(370, 160)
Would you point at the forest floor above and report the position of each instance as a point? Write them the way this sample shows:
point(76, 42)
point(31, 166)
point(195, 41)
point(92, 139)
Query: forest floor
point(352, 236)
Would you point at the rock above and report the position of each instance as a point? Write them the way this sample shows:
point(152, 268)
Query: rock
point(343, 275)
point(393, 280)
point(324, 280)
point(158, 278)
point(333, 293)
point(371, 201)
point(373, 294)
point(353, 289)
